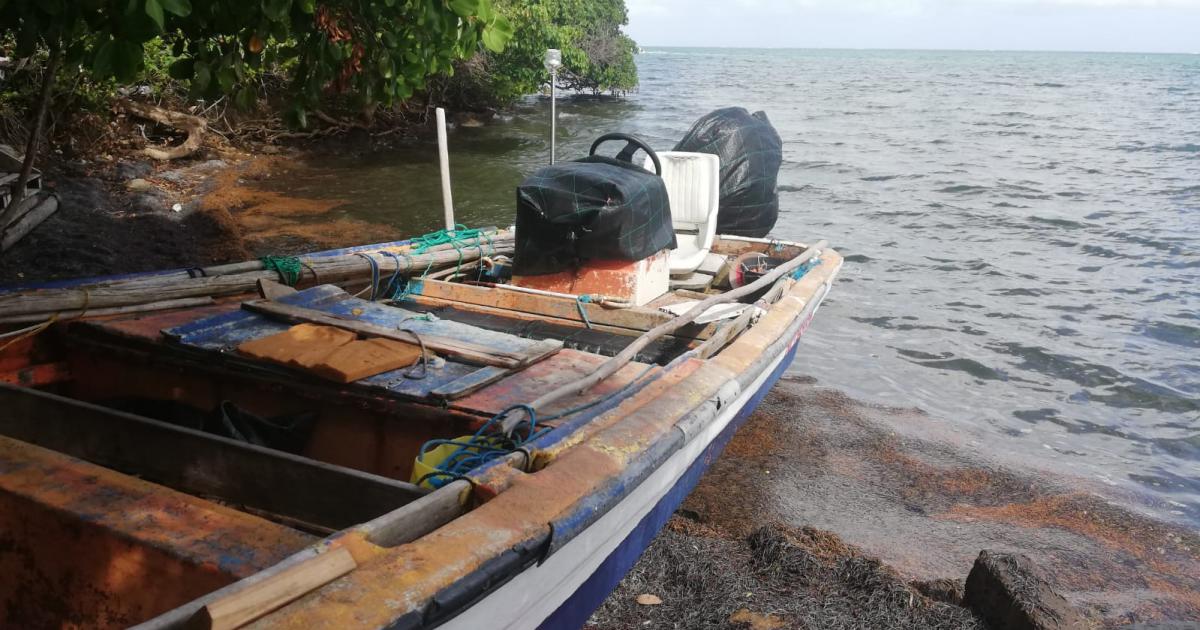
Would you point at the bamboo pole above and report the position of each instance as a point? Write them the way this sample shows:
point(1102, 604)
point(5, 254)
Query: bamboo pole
point(317, 270)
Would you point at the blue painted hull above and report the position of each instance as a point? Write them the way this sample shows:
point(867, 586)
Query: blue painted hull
point(574, 612)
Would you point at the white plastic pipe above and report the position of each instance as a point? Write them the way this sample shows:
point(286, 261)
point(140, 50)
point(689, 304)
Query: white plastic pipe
point(444, 160)
point(553, 113)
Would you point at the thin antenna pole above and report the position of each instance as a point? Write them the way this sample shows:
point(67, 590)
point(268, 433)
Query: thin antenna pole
point(444, 160)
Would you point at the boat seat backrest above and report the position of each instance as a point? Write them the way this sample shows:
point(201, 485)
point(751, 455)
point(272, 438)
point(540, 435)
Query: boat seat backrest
point(693, 188)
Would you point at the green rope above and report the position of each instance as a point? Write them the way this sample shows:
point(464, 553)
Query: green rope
point(288, 268)
point(459, 237)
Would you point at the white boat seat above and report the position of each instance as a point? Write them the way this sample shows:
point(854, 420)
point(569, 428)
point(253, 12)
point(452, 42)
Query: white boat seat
point(693, 187)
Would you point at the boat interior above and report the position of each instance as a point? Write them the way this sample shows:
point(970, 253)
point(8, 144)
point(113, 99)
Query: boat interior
point(147, 459)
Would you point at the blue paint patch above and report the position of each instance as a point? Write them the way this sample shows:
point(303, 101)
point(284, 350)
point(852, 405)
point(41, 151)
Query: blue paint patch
point(226, 331)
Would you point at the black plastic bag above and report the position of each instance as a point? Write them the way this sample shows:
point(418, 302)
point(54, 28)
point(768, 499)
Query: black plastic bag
point(751, 153)
point(596, 208)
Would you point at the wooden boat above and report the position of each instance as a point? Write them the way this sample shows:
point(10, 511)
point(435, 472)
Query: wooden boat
point(117, 508)
point(393, 435)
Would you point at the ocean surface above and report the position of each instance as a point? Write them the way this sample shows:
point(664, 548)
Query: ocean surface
point(1021, 232)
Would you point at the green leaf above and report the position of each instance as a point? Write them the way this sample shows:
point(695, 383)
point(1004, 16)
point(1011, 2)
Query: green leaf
point(155, 10)
point(182, 69)
point(126, 60)
point(308, 6)
point(51, 7)
point(226, 78)
point(102, 65)
point(182, 8)
point(246, 99)
point(464, 8)
point(202, 76)
point(497, 34)
point(276, 10)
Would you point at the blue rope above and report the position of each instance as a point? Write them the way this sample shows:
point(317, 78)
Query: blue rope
point(374, 275)
point(579, 302)
point(484, 446)
point(391, 285)
point(487, 445)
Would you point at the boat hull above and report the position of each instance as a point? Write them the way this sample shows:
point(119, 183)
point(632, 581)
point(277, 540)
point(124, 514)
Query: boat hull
point(564, 590)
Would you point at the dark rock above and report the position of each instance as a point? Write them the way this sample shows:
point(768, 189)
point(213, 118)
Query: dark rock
point(150, 201)
point(945, 590)
point(82, 193)
point(133, 170)
point(1007, 591)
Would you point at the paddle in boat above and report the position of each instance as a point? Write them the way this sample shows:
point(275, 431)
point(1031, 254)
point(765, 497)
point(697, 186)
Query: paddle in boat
point(470, 429)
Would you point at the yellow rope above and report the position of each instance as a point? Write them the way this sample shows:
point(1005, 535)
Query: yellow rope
point(36, 329)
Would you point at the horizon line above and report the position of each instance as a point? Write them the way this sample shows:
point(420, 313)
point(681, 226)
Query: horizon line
point(893, 49)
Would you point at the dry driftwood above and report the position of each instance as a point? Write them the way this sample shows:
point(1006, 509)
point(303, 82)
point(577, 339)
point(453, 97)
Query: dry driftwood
point(193, 125)
point(27, 214)
point(351, 268)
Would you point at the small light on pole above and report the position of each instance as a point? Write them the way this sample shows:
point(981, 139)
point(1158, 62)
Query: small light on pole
point(553, 62)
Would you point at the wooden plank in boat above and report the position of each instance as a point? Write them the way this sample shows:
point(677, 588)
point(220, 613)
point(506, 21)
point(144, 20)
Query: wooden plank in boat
point(306, 490)
point(462, 350)
point(105, 504)
point(635, 318)
point(599, 339)
point(258, 599)
point(565, 367)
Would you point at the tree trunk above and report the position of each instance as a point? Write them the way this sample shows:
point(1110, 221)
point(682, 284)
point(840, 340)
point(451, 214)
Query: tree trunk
point(31, 147)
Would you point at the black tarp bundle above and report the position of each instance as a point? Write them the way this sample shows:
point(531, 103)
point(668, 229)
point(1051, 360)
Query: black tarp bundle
point(596, 208)
point(751, 153)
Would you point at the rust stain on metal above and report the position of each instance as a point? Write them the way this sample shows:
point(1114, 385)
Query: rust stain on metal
point(100, 549)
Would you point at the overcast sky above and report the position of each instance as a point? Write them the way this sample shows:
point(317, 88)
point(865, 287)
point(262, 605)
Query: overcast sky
point(1085, 25)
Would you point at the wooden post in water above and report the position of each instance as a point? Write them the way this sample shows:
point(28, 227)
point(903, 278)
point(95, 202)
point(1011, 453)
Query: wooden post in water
point(444, 161)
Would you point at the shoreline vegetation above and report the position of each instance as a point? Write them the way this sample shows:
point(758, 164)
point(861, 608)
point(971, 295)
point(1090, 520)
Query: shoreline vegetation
point(130, 108)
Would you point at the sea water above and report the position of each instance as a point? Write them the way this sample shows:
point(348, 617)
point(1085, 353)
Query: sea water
point(1021, 232)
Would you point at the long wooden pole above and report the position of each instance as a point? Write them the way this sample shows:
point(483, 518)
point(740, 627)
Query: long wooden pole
point(333, 269)
point(610, 367)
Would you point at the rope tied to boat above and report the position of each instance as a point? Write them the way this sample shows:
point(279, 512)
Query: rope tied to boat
point(374, 276)
point(579, 302)
point(488, 443)
point(288, 268)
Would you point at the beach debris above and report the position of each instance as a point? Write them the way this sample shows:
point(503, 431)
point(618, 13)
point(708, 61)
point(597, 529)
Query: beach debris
point(945, 590)
point(1007, 591)
point(193, 126)
point(756, 621)
point(647, 599)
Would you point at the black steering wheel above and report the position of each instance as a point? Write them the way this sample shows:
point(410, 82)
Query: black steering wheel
point(633, 143)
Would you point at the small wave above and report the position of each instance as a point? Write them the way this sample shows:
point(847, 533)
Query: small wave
point(1050, 85)
point(878, 178)
point(1177, 334)
point(965, 189)
point(1067, 223)
point(947, 361)
point(790, 188)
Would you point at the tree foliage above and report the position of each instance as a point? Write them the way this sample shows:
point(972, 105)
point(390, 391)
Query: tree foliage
point(380, 51)
point(597, 56)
